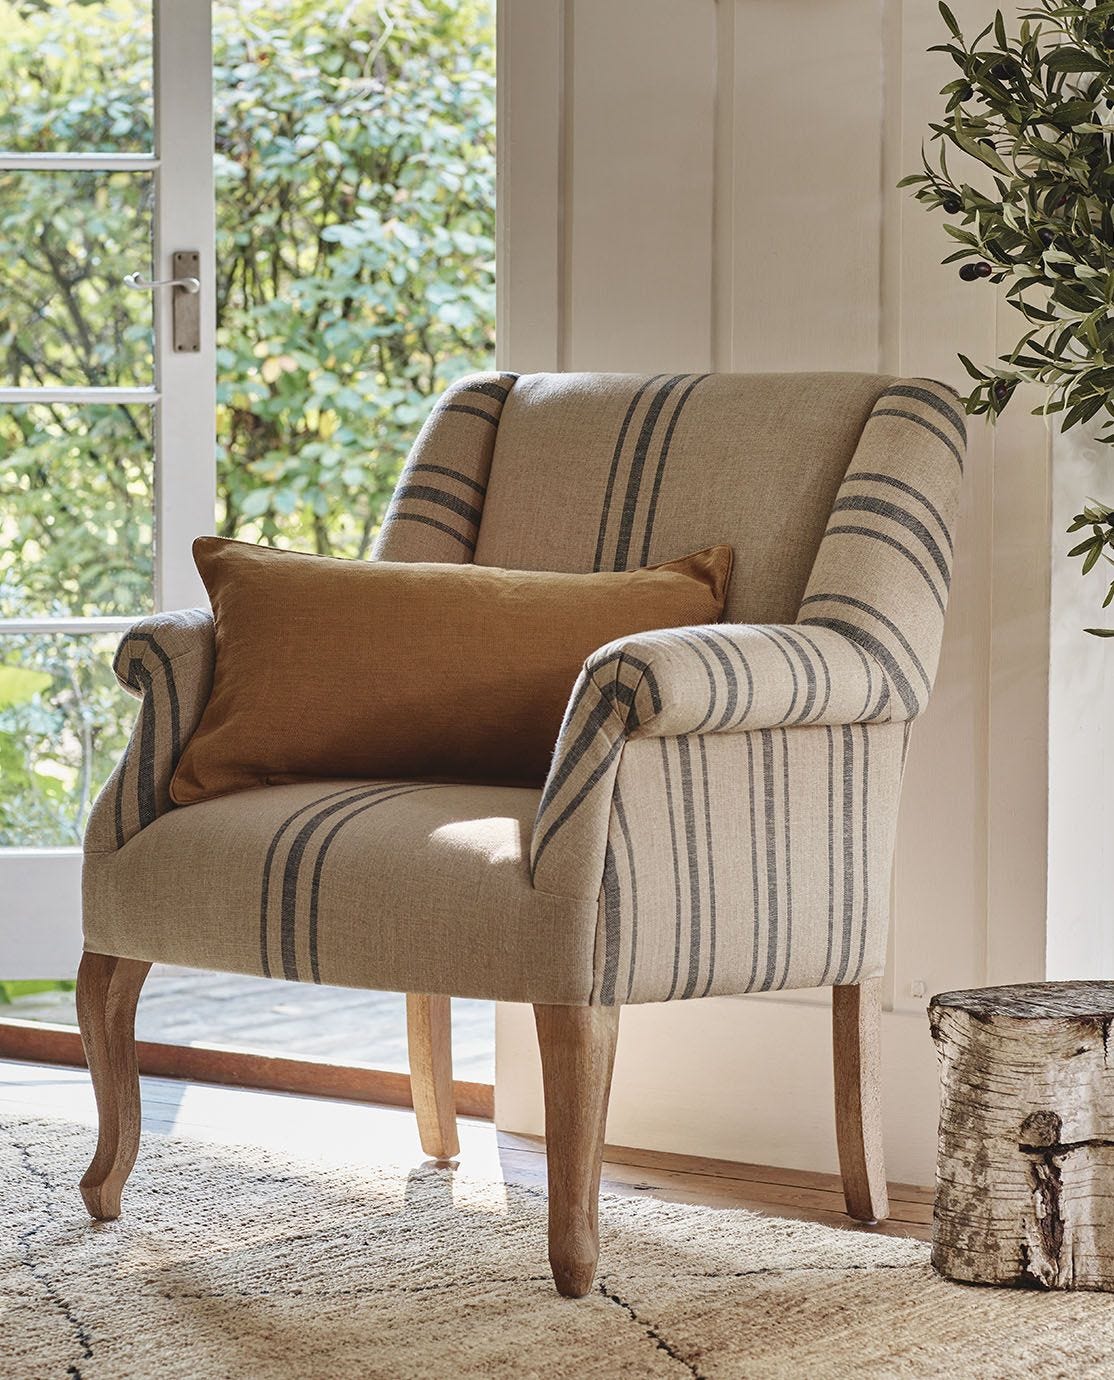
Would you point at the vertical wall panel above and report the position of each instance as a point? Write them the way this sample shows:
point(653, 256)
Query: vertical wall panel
point(807, 189)
point(640, 88)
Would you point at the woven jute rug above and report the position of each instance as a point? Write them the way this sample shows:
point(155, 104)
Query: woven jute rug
point(237, 1263)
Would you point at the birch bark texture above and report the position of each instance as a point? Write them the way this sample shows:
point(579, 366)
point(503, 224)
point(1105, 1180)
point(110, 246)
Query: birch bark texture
point(1025, 1165)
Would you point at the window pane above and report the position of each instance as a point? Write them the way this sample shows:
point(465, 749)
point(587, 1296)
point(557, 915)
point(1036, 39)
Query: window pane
point(66, 241)
point(63, 723)
point(76, 493)
point(75, 78)
point(355, 183)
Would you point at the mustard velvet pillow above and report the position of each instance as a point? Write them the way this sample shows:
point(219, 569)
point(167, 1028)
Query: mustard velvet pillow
point(386, 670)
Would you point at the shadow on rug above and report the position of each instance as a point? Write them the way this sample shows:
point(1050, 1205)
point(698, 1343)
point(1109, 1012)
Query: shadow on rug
point(232, 1262)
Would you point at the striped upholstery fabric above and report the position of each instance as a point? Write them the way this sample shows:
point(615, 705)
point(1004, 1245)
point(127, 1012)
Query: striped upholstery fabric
point(720, 811)
point(436, 509)
point(167, 662)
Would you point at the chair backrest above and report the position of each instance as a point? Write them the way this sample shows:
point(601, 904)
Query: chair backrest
point(580, 472)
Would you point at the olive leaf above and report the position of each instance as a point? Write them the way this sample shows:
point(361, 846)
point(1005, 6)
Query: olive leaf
point(1035, 109)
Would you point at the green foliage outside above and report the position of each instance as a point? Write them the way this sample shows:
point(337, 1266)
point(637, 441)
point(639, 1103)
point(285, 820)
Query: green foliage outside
point(1031, 118)
point(355, 175)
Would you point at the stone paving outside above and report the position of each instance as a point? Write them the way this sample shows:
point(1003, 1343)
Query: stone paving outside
point(183, 1006)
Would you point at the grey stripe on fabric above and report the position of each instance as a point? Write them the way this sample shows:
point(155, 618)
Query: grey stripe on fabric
point(292, 869)
point(167, 664)
point(788, 861)
point(118, 806)
point(423, 493)
point(891, 627)
point(897, 546)
point(467, 542)
point(469, 411)
point(865, 850)
point(870, 477)
point(880, 508)
point(729, 676)
point(319, 865)
point(612, 926)
point(632, 879)
point(570, 809)
point(753, 862)
point(847, 812)
point(600, 714)
point(777, 636)
point(795, 682)
point(425, 468)
point(767, 738)
point(713, 693)
point(831, 854)
point(688, 805)
point(605, 515)
point(663, 455)
point(879, 652)
point(924, 425)
point(146, 802)
point(636, 471)
point(823, 660)
point(268, 861)
point(930, 399)
point(710, 854)
point(490, 389)
point(671, 813)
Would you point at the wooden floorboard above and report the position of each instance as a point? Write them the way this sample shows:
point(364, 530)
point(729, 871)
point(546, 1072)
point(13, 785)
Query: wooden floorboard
point(324, 1128)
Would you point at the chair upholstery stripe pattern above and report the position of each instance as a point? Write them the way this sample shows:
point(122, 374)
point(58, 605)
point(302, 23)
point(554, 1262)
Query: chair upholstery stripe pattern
point(806, 845)
point(720, 809)
point(657, 404)
point(444, 480)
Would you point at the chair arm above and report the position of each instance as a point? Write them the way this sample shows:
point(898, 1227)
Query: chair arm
point(723, 678)
point(166, 661)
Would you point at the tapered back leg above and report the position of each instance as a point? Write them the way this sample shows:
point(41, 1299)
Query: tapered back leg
point(578, 1052)
point(107, 992)
point(857, 1047)
point(429, 1035)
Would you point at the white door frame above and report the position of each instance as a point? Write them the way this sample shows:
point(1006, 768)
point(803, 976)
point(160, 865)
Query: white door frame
point(41, 888)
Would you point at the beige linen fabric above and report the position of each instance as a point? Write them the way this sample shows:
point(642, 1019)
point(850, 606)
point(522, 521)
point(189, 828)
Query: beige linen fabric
point(720, 809)
point(401, 886)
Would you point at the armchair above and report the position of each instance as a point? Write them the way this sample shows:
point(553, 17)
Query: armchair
point(720, 810)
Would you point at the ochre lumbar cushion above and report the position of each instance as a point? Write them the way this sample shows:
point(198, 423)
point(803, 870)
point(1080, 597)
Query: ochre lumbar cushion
point(383, 670)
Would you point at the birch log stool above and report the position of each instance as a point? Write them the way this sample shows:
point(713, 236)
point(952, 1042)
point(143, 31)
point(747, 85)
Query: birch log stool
point(1025, 1169)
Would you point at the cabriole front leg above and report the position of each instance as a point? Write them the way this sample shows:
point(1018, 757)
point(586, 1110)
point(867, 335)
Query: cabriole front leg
point(107, 993)
point(578, 1052)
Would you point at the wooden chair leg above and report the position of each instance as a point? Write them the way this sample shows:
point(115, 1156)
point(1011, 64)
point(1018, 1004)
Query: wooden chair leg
point(429, 1033)
point(857, 1046)
point(578, 1051)
point(107, 992)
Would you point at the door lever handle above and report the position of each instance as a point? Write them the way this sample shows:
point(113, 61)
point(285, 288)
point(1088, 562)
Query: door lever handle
point(185, 298)
point(133, 280)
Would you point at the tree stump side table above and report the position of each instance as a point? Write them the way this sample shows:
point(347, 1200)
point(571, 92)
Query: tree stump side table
point(1025, 1168)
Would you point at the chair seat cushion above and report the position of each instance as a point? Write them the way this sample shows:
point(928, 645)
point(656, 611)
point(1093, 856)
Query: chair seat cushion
point(402, 886)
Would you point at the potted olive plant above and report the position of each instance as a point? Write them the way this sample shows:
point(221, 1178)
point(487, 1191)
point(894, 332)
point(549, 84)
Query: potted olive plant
point(1035, 111)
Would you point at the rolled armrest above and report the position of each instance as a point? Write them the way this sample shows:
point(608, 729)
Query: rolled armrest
point(167, 662)
point(723, 678)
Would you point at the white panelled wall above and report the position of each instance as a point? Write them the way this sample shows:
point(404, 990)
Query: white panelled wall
point(687, 185)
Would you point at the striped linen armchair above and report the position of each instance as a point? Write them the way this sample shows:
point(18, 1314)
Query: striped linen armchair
point(719, 814)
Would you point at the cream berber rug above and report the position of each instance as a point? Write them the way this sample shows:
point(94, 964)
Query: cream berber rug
point(234, 1263)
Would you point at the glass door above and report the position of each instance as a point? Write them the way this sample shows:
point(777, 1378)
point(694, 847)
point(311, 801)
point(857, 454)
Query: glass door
point(107, 412)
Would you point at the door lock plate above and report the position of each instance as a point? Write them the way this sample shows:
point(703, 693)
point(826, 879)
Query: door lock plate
point(185, 307)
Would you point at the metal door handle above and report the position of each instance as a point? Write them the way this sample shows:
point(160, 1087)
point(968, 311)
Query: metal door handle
point(133, 280)
point(185, 297)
